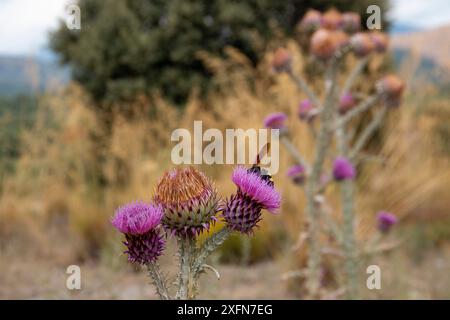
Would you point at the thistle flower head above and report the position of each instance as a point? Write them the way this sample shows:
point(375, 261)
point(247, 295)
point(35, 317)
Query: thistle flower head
point(361, 44)
point(137, 218)
point(380, 40)
point(304, 109)
point(346, 102)
point(282, 60)
point(275, 121)
point(242, 211)
point(385, 221)
point(322, 44)
point(296, 173)
point(311, 20)
point(351, 22)
point(391, 87)
point(139, 222)
point(343, 169)
point(189, 201)
point(332, 19)
point(340, 38)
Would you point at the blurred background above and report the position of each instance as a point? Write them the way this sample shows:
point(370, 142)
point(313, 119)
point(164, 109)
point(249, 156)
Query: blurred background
point(86, 117)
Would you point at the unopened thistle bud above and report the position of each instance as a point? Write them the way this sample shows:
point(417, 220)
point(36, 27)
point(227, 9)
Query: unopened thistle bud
point(139, 222)
point(331, 19)
point(282, 60)
point(385, 221)
point(323, 45)
point(391, 88)
point(346, 103)
point(305, 109)
point(189, 200)
point(343, 169)
point(242, 211)
point(351, 22)
point(361, 44)
point(311, 21)
point(276, 120)
point(296, 173)
point(380, 40)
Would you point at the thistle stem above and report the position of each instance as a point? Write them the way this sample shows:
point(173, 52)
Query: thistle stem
point(312, 209)
point(187, 246)
point(158, 280)
point(303, 86)
point(348, 237)
point(207, 248)
point(349, 240)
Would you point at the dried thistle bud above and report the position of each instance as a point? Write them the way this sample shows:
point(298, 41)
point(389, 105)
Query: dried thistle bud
point(340, 38)
point(189, 200)
point(331, 19)
point(139, 222)
point(282, 60)
point(380, 40)
point(346, 103)
point(391, 88)
point(242, 211)
point(361, 44)
point(323, 45)
point(343, 169)
point(351, 22)
point(311, 21)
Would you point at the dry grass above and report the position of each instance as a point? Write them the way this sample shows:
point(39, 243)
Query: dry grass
point(55, 208)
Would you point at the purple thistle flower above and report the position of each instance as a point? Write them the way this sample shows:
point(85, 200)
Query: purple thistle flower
point(304, 109)
point(385, 221)
point(137, 218)
point(346, 102)
point(275, 120)
point(343, 169)
point(139, 222)
point(296, 173)
point(242, 211)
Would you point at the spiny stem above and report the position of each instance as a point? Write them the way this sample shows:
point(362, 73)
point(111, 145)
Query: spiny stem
point(348, 237)
point(295, 154)
point(187, 245)
point(354, 74)
point(303, 86)
point(367, 133)
point(312, 211)
point(158, 280)
point(207, 248)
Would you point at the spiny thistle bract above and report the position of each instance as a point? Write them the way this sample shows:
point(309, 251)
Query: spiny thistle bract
point(140, 222)
point(242, 211)
point(189, 200)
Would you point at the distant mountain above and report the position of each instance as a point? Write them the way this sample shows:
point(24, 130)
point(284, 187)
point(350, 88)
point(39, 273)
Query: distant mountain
point(28, 75)
point(427, 51)
point(402, 28)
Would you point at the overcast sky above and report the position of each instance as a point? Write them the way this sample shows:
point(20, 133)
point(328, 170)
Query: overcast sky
point(24, 24)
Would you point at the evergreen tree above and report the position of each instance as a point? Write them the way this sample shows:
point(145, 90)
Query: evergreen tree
point(132, 46)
